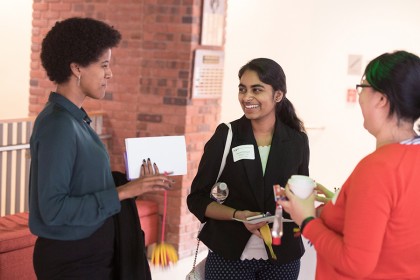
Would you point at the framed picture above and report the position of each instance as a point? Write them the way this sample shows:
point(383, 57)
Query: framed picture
point(212, 28)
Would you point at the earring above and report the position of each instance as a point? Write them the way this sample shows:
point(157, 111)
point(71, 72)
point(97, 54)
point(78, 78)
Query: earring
point(78, 81)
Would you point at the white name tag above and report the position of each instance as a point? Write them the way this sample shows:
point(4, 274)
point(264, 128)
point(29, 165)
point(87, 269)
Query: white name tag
point(243, 152)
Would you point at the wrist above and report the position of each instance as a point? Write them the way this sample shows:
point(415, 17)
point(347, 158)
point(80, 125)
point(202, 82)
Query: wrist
point(305, 223)
point(234, 213)
point(123, 193)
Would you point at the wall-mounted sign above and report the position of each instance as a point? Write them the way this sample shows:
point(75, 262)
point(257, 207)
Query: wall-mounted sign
point(213, 22)
point(351, 96)
point(354, 66)
point(208, 73)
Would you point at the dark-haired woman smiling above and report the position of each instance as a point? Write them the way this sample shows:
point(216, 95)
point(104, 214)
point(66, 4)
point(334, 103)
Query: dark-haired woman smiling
point(269, 144)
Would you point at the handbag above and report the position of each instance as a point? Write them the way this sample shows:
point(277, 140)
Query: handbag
point(197, 271)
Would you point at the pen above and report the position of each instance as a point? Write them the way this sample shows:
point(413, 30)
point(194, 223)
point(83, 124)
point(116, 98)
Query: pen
point(257, 216)
point(277, 230)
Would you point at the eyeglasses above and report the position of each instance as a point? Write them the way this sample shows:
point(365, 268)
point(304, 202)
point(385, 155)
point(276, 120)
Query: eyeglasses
point(359, 88)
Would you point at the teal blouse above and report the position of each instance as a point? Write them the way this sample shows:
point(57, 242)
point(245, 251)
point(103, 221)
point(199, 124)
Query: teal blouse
point(71, 189)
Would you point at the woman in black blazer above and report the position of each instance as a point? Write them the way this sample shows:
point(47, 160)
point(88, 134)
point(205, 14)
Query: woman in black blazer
point(269, 145)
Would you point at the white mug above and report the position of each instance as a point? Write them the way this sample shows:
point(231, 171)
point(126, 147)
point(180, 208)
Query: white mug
point(301, 185)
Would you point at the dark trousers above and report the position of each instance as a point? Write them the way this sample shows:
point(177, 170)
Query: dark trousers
point(86, 259)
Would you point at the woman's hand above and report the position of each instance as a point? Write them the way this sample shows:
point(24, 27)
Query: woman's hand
point(150, 180)
point(253, 228)
point(147, 168)
point(299, 209)
point(323, 194)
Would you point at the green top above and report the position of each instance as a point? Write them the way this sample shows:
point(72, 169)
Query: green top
point(71, 189)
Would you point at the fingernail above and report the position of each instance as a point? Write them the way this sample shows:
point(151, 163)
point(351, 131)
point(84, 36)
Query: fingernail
point(144, 160)
point(148, 159)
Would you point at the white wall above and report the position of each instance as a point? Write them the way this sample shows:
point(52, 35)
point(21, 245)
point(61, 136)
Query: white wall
point(15, 34)
point(311, 40)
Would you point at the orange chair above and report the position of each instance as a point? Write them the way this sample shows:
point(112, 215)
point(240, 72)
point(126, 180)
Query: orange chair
point(16, 248)
point(149, 220)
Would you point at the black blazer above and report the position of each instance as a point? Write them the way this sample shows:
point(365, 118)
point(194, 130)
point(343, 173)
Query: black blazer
point(130, 261)
point(248, 188)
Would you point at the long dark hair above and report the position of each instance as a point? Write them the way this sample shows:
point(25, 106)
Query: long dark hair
point(271, 73)
point(397, 76)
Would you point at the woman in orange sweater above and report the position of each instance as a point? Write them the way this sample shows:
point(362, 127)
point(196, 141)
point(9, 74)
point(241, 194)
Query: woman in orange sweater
point(370, 228)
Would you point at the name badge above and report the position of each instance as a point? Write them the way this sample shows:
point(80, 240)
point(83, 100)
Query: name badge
point(243, 152)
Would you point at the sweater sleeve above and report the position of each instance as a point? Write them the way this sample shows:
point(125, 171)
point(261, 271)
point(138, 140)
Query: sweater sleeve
point(199, 199)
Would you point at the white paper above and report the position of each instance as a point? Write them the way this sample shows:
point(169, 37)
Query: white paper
point(168, 152)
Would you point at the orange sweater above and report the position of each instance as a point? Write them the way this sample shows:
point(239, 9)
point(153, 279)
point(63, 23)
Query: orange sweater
point(372, 229)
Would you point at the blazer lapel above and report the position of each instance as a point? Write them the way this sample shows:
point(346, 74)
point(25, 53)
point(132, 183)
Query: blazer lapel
point(280, 147)
point(253, 168)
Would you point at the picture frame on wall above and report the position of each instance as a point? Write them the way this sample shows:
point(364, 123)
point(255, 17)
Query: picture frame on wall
point(213, 22)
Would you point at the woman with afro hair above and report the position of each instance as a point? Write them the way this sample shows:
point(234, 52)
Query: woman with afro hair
point(74, 202)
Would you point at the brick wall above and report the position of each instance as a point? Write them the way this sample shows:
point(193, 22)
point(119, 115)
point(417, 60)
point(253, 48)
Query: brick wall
point(150, 92)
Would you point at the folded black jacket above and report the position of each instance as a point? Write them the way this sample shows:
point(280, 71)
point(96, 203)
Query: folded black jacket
point(130, 251)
